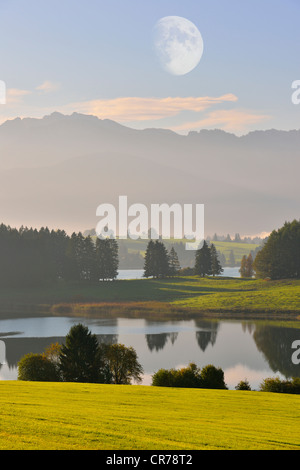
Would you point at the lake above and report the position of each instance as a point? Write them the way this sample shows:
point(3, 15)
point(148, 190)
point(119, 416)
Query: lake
point(243, 349)
point(138, 273)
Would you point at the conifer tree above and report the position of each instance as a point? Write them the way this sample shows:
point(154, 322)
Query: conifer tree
point(174, 265)
point(231, 261)
point(107, 258)
point(149, 260)
point(156, 260)
point(216, 268)
point(203, 260)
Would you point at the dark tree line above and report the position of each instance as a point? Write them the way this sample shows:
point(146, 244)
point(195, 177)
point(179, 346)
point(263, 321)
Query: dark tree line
point(31, 257)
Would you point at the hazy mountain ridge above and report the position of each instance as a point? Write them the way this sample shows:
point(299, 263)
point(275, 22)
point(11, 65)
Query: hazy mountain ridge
point(56, 170)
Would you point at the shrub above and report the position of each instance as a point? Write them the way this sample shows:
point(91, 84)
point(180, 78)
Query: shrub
point(190, 377)
point(275, 385)
point(164, 378)
point(243, 385)
point(187, 377)
point(37, 367)
point(213, 377)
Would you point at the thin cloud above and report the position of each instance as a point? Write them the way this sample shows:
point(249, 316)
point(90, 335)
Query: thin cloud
point(15, 95)
point(128, 109)
point(230, 120)
point(48, 87)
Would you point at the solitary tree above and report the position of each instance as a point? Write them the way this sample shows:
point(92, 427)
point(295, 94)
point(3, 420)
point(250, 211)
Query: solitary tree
point(79, 357)
point(123, 364)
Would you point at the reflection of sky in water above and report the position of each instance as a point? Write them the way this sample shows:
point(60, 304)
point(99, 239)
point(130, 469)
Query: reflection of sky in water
point(60, 326)
point(166, 345)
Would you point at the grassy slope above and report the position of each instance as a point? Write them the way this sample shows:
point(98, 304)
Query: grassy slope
point(239, 249)
point(84, 416)
point(174, 296)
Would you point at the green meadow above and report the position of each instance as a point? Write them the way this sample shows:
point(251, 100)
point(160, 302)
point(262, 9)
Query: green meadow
point(181, 296)
point(67, 416)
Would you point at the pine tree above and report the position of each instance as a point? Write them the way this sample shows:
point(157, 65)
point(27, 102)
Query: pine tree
point(107, 258)
point(216, 268)
point(89, 260)
point(156, 260)
point(149, 260)
point(174, 265)
point(79, 357)
point(203, 260)
point(231, 261)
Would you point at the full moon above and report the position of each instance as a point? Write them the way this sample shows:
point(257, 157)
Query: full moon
point(178, 44)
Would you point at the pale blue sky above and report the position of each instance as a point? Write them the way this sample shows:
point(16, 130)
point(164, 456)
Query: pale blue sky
point(71, 55)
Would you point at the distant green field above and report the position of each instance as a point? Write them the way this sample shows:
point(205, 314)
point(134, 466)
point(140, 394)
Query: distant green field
point(239, 249)
point(68, 416)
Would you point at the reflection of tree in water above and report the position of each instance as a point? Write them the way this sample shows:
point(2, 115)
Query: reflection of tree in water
point(158, 341)
point(248, 327)
point(276, 345)
point(16, 348)
point(207, 334)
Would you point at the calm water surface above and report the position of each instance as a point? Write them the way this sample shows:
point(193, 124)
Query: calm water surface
point(138, 273)
point(252, 350)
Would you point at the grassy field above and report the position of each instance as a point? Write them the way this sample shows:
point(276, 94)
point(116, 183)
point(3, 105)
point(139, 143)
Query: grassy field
point(62, 416)
point(238, 249)
point(167, 297)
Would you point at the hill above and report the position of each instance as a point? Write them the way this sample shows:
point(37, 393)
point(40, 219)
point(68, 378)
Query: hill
point(68, 416)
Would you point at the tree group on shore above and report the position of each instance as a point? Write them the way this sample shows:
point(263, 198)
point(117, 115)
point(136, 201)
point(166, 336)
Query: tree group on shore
point(160, 263)
point(82, 359)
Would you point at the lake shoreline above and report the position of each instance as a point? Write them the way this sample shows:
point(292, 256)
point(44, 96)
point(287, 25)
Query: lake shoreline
point(158, 299)
point(139, 311)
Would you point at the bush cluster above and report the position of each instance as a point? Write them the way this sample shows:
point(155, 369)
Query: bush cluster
point(281, 386)
point(190, 377)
